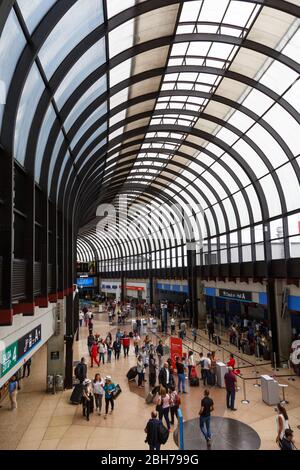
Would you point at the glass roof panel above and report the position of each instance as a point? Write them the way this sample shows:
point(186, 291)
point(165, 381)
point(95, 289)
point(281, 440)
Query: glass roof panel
point(87, 63)
point(32, 92)
point(78, 22)
point(42, 141)
point(11, 34)
point(34, 10)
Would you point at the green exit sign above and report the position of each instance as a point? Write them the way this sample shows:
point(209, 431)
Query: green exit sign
point(8, 358)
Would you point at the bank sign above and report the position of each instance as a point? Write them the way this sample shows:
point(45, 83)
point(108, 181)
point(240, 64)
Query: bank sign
point(236, 295)
point(11, 355)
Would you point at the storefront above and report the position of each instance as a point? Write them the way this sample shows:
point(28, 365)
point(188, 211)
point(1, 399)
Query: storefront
point(138, 291)
point(174, 293)
point(87, 287)
point(226, 306)
point(111, 290)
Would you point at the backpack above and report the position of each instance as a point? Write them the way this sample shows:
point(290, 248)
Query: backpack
point(163, 434)
point(177, 401)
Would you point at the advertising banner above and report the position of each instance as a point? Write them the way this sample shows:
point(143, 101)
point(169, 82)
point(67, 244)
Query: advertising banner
point(13, 353)
point(175, 349)
point(8, 358)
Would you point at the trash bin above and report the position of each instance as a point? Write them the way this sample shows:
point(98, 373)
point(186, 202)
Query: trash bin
point(50, 383)
point(59, 383)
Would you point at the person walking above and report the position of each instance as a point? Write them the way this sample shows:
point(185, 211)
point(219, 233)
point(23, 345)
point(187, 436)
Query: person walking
point(94, 354)
point(165, 402)
point(173, 324)
point(160, 353)
point(126, 344)
point(117, 349)
point(164, 376)
point(81, 371)
point(87, 399)
point(26, 366)
point(210, 330)
point(206, 369)
point(191, 362)
point(109, 388)
point(108, 342)
point(194, 334)
point(231, 388)
point(102, 351)
point(81, 318)
point(98, 389)
point(282, 422)
point(207, 407)
point(90, 342)
point(140, 370)
point(13, 392)
point(201, 364)
point(231, 362)
point(152, 431)
point(174, 404)
point(181, 375)
point(136, 343)
point(288, 442)
point(152, 370)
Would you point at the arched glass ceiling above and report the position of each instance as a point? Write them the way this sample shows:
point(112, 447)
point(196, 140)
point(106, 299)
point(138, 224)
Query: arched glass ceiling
point(194, 103)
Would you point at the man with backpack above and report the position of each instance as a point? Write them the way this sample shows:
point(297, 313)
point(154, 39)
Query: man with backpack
point(81, 370)
point(156, 432)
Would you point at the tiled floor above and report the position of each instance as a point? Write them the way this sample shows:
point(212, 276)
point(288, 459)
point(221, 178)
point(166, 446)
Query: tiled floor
point(50, 422)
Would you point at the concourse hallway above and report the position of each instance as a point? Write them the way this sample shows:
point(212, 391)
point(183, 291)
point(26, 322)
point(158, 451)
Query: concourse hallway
point(46, 422)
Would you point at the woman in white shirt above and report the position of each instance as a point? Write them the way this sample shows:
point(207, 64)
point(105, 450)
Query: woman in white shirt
point(98, 389)
point(282, 421)
point(102, 351)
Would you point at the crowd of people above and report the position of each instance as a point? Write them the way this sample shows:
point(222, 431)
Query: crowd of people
point(167, 381)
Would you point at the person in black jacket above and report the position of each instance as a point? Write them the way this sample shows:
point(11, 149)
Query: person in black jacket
point(81, 370)
point(160, 353)
point(117, 348)
point(26, 366)
point(287, 442)
point(164, 376)
point(152, 431)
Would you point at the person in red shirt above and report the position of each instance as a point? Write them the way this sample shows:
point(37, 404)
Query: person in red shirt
point(94, 354)
point(126, 344)
point(231, 388)
point(231, 362)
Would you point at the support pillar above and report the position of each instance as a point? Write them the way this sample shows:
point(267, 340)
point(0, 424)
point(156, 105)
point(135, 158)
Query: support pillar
point(56, 344)
point(284, 324)
point(192, 307)
point(272, 317)
point(6, 236)
point(201, 305)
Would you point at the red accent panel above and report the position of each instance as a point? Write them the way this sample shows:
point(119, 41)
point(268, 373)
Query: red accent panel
point(6, 317)
point(60, 295)
point(53, 297)
point(41, 302)
point(25, 308)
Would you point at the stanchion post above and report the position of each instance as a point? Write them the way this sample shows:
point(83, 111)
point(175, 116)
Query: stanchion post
point(244, 401)
point(223, 354)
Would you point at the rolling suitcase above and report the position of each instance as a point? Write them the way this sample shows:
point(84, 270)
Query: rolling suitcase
point(247, 349)
point(132, 373)
point(194, 382)
point(211, 379)
point(149, 398)
point(76, 395)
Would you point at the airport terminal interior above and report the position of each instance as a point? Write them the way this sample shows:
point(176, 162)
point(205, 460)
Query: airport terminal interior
point(150, 225)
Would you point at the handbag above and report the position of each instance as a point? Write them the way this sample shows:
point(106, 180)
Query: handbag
point(116, 392)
